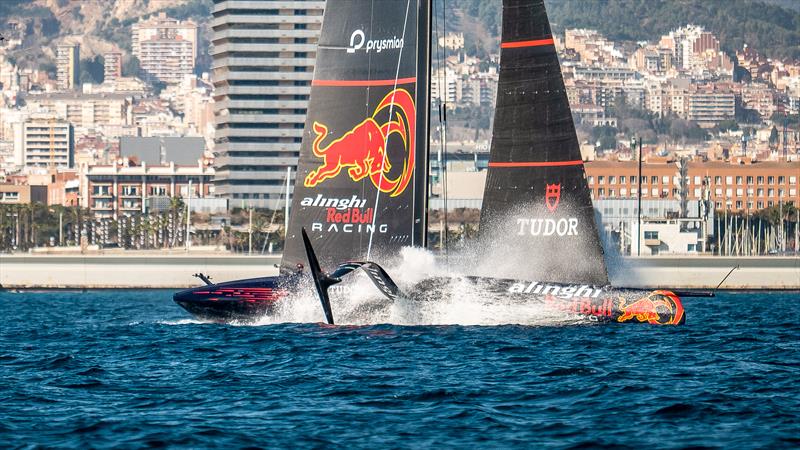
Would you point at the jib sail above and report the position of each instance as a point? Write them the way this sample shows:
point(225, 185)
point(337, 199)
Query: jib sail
point(537, 212)
point(361, 186)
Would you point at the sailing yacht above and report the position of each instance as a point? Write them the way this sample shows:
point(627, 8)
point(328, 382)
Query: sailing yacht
point(361, 188)
point(538, 237)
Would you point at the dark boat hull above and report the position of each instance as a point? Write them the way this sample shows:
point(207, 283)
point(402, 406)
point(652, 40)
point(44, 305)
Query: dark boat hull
point(243, 301)
point(597, 303)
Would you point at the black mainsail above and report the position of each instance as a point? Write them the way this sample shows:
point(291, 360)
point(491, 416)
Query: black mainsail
point(537, 211)
point(361, 187)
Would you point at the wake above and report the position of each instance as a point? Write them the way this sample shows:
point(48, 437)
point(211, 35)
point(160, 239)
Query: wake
point(439, 296)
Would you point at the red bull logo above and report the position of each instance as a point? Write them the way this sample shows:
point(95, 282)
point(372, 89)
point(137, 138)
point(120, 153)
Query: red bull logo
point(658, 308)
point(362, 150)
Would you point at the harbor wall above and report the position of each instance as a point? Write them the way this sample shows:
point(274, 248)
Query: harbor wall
point(127, 272)
point(170, 271)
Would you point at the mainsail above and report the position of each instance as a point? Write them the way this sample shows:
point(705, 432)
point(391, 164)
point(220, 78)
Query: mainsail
point(361, 186)
point(537, 211)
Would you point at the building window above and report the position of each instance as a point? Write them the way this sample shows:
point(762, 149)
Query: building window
point(760, 205)
point(654, 192)
point(696, 180)
point(738, 204)
point(729, 180)
point(601, 180)
point(760, 192)
point(623, 192)
point(739, 180)
point(771, 180)
point(781, 193)
point(622, 180)
point(760, 180)
point(717, 180)
point(770, 192)
point(590, 180)
point(729, 192)
point(648, 235)
point(739, 192)
point(691, 247)
point(601, 192)
point(612, 179)
point(749, 180)
point(633, 180)
point(653, 180)
point(792, 180)
point(665, 179)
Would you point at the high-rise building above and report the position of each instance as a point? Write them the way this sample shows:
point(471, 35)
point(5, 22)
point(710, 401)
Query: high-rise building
point(166, 48)
point(263, 63)
point(112, 67)
point(48, 142)
point(68, 63)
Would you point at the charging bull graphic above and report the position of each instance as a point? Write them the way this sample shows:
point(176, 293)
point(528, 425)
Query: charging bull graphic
point(362, 150)
point(658, 308)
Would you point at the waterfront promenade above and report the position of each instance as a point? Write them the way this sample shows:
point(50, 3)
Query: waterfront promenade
point(174, 269)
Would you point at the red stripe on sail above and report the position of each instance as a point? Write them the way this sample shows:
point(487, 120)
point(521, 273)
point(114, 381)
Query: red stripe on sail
point(536, 163)
point(364, 83)
point(523, 44)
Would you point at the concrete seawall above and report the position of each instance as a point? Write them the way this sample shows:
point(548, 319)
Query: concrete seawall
point(170, 271)
point(706, 272)
point(128, 271)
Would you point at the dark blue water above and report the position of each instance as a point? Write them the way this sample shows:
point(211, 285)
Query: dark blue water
point(105, 369)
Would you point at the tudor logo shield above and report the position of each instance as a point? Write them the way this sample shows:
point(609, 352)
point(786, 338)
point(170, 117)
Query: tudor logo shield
point(552, 196)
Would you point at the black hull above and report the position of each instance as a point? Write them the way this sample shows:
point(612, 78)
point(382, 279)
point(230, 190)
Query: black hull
point(243, 301)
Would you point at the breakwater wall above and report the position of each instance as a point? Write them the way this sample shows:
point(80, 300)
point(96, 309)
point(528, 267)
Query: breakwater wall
point(170, 271)
point(127, 271)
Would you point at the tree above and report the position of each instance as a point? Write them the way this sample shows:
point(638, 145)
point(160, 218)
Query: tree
point(773, 136)
point(92, 70)
point(131, 67)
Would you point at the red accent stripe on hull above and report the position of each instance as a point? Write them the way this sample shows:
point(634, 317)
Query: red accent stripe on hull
point(537, 164)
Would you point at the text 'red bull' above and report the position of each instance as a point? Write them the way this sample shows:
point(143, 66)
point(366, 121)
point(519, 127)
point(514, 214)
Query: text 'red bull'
point(362, 150)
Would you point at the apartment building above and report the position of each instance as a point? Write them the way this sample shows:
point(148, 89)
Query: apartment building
point(737, 186)
point(112, 67)
point(114, 190)
point(68, 66)
point(85, 110)
point(263, 63)
point(48, 142)
point(166, 48)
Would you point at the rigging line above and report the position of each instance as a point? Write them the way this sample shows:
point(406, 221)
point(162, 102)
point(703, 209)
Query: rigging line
point(444, 135)
point(442, 110)
point(386, 138)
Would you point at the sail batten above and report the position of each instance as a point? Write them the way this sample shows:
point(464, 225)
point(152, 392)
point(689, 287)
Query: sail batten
point(537, 219)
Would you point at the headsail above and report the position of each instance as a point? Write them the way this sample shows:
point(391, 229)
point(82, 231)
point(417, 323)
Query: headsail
point(536, 204)
point(361, 186)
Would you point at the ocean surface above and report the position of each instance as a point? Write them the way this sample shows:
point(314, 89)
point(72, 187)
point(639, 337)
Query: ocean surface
point(130, 369)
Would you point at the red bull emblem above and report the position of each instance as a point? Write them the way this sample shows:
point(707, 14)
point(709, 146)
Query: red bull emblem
point(362, 150)
point(658, 308)
point(552, 196)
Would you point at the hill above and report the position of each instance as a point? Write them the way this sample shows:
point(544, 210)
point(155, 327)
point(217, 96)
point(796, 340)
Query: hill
point(773, 29)
point(99, 26)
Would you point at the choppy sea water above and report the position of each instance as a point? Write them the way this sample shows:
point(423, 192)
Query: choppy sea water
point(128, 368)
